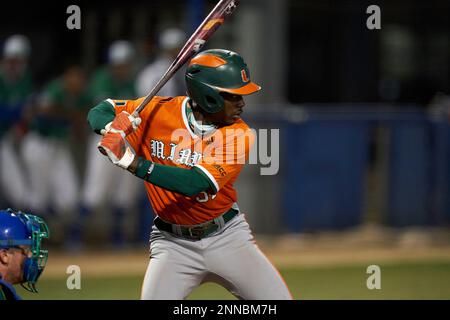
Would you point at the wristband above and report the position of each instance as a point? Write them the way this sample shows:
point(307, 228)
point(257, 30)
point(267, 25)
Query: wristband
point(144, 168)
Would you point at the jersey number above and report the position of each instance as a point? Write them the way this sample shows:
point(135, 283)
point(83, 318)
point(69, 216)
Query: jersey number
point(205, 197)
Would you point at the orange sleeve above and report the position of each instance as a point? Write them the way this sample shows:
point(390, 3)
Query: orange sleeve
point(224, 161)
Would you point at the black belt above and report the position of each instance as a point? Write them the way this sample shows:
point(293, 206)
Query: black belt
point(198, 231)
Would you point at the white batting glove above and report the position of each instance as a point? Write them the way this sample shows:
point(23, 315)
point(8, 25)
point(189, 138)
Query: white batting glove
point(117, 149)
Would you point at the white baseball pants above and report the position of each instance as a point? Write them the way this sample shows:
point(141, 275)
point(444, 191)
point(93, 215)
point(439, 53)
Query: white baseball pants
point(229, 258)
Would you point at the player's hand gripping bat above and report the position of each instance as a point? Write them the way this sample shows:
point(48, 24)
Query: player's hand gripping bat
point(211, 23)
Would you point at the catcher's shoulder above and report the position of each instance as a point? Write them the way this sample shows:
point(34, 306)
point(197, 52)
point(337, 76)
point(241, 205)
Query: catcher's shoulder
point(7, 292)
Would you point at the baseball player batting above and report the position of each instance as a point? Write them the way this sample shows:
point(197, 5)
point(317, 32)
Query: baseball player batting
point(189, 151)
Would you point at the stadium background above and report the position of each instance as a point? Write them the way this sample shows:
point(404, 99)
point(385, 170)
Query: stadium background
point(364, 140)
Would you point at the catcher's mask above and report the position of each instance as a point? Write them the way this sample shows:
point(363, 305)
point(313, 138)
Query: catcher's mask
point(22, 229)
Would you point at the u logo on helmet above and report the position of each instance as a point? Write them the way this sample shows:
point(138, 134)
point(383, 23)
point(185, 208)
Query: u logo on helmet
point(244, 76)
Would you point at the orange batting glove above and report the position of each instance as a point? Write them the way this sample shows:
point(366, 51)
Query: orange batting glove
point(124, 124)
point(116, 148)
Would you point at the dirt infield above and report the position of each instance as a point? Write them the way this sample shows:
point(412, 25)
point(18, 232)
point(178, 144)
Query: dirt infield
point(369, 244)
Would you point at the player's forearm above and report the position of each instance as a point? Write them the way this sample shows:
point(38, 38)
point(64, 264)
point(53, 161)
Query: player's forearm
point(188, 182)
point(99, 116)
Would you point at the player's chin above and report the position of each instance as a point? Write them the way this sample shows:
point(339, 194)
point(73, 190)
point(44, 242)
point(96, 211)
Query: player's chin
point(228, 121)
point(232, 119)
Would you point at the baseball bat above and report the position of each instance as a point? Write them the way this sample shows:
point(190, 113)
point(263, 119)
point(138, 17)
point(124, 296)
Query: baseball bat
point(212, 22)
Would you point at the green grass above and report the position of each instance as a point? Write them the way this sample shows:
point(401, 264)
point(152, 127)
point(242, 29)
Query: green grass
point(420, 280)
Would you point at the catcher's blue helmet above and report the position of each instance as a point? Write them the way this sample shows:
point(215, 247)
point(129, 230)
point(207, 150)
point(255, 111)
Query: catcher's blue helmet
point(22, 229)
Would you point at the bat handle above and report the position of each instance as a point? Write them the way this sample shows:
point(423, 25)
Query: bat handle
point(102, 150)
point(147, 99)
point(135, 113)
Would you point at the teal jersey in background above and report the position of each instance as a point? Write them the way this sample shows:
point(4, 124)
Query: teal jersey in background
point(103, 86)
point(13, 99)
point(55, 95)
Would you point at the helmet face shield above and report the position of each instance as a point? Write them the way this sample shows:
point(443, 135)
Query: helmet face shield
point(33, 269)
point(27, 230)
point(35, 264)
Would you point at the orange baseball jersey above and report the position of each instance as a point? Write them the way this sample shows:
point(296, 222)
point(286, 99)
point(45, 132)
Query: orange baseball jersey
point(165, 137)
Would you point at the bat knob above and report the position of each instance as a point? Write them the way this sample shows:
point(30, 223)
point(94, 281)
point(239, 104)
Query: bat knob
point(102, 150)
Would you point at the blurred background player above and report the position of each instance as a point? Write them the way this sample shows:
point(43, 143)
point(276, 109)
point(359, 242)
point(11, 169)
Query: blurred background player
point(54, 183)
point(22, 259)
point(170, 43)
point(116, 79)
point(15, 91)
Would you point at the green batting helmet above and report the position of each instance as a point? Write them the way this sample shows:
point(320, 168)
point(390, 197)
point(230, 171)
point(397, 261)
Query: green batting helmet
point(214, 71)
